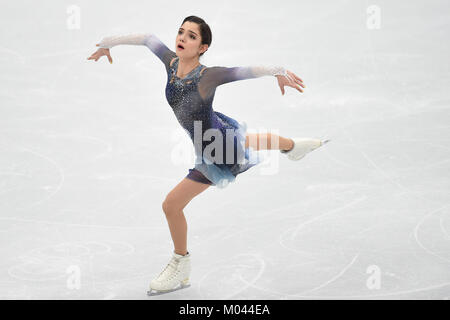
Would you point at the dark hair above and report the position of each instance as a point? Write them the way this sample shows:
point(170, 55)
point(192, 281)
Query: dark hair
point(205, 31)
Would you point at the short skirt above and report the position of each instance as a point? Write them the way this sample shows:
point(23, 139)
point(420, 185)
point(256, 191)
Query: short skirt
point(222, 174)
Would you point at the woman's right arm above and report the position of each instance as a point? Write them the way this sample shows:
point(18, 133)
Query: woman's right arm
point(147, 39)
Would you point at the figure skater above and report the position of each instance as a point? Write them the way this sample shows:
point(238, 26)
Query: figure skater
point(190, 92)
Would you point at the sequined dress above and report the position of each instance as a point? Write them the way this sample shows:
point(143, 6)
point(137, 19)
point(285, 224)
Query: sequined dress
point(191, 99)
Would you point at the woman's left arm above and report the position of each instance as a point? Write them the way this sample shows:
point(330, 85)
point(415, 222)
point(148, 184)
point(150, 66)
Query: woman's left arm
point(216, 76)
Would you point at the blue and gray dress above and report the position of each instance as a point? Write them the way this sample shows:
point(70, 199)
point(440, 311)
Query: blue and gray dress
point(191, 99)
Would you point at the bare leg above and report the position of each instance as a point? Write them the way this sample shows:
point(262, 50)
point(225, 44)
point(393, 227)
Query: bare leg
point(173, 207)
point(260, 141)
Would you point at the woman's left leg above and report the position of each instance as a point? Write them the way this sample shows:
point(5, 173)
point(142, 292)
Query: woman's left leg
point(267, 141)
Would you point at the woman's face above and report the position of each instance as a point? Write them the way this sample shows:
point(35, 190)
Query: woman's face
point(189, 39)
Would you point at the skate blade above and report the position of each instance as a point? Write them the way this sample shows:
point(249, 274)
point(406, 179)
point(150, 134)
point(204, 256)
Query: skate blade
point(153, 292)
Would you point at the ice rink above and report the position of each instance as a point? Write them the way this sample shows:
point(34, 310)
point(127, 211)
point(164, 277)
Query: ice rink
point(89, 150)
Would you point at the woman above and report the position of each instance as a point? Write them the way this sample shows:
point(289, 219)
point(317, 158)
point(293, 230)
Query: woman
point(190, 92)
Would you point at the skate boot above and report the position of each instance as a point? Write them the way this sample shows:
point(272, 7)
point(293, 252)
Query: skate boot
point(302, 146)
point(175, 275)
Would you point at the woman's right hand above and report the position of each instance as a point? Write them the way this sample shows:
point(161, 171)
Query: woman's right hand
point(99, 53)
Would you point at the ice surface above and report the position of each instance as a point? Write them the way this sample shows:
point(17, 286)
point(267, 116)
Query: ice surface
point(88, 152)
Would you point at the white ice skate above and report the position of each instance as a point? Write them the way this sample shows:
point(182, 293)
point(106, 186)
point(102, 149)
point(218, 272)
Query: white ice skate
point(175, 275)
point(302, 146)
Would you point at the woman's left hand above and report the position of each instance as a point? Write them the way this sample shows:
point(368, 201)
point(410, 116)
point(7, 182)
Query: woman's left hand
point(291, 80)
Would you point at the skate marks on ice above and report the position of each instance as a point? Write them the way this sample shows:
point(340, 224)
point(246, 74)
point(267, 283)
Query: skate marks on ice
point(32, 178)
point(49, 263)
point(81, 225)
point(225, 279)
point(104, 269)
point(27, 168)
point(441, 228)
point(314, 264)
point(433, 238)
point(294, 231)
point(431, 242)
point(103, 266)
point(28, 171)
point(303, 294)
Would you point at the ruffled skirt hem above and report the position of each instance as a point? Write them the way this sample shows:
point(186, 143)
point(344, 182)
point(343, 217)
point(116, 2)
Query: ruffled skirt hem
point(221, 175)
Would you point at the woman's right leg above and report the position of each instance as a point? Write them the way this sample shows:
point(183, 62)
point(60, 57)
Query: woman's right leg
point(263, 141)
point(173, 206)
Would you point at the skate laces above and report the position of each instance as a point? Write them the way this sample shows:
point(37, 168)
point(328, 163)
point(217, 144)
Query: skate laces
point(171, 266)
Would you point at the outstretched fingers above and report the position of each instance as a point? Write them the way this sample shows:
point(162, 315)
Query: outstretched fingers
point(291, 80)
point(296, 82)
point(296, 86)
point(297, 77)
point(99, 53)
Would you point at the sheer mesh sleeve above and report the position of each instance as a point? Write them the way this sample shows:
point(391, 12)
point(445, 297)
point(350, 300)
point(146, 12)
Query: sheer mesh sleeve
point(216, 76)
point(146, 39)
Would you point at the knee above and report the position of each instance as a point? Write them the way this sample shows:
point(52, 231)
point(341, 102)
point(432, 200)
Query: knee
point(171, 206)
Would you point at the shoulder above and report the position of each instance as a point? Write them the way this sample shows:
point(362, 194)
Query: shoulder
point(210, 70)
